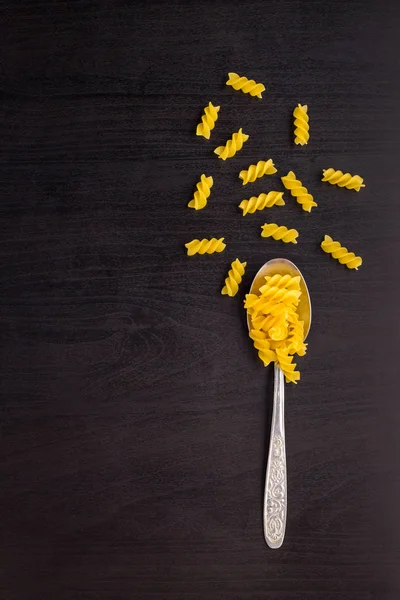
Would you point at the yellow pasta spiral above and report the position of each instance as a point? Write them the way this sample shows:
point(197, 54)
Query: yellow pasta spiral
point(301, 135)
point(282, 281)
point(248, 86)
point(234, 278)
point(296, 343)
point(351, 182)
point(278, 294)
point(341, 253)
point(202, 193)
point(208, 121)
point(287, 365)
point(279, 232)
point(278, 332)
point(263, 346)
point(297, 190)
point(232, 146)
point(263, 167)
point(205, 246)
point(262, 201)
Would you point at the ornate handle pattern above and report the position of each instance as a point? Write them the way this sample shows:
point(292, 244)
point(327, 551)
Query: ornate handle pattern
point(275, 495)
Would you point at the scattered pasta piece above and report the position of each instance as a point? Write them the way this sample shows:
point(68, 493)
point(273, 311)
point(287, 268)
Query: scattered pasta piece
point(341, 253)
point(248, 86)
point(208, 121)
point(275, 327)
point(232, 146)
point(297, 190)
point(262, 201)
point(301, 126)
point(259, 170)
point(351, 182)
point(205, 246)
point(202, 192)
point(234, 278)
point(279, 232)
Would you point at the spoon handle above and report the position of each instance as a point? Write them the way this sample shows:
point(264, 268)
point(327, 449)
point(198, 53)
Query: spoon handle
point(275, 494)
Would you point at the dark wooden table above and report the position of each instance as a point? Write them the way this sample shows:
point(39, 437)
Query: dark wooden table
point(134, 411)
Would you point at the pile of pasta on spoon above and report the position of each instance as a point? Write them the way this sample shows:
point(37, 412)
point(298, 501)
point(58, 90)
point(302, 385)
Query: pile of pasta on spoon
point(276, 330)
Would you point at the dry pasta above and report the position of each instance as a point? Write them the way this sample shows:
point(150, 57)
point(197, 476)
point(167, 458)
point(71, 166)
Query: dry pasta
point(263, 346)
point(202, 193)
point(351, 182)
point(253, 172)
point(279, 232)
point(235, 275)
point(248, 86)
point(341, 253)
point(285, 361)
point(301, 126)
point(205, 246)
point(262, 201)
point(208, 121)
point(232, 146)
point(275, 328)
point(297, 190)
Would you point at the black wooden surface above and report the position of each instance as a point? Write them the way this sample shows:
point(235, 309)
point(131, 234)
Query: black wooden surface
point(134, 411)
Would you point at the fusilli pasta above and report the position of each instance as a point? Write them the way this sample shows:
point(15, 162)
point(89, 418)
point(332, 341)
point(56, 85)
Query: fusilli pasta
point(232, 146)
point(208, 120)
point(297, 190)
point(205, 246)
point(285, 361)
point(263, 346)
point(234, 278)
point(202, 193)
point(248, 86)
point(275, 328)
point(262, 201)
point(341, 253)
point(279, 232)
point(301, 126)
point(263, 167)
point(351, 182)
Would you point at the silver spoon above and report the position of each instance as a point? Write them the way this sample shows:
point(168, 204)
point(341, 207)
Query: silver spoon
point(275, 493)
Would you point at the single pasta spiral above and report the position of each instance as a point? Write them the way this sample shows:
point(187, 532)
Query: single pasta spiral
point(279, 232)
point(263, 346)
point(278, 294)
point(296, 343)
point(287, 365)
point(262, 201)
point(282, 281)
point(341, 253)
point(351, 182)
point(297, 190)
point(248, 86)
point(270, 308)
point(278, 332)
point(202, 193)
point(208, 121)
point(232, 146)
point(234, 278)
point(301, 135)
point(205, 246)
point(263, 167)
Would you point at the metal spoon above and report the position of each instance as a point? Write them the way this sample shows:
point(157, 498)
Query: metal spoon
point(275, 493)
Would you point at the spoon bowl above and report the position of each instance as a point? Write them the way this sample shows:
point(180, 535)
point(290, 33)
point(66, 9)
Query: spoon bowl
point(283, 266)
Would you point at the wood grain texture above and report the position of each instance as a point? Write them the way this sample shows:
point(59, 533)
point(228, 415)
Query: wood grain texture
point(134, 412)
